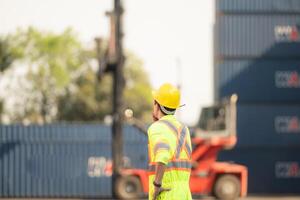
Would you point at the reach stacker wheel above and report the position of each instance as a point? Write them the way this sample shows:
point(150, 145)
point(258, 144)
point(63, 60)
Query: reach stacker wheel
point(227, 187)
point(128, 187)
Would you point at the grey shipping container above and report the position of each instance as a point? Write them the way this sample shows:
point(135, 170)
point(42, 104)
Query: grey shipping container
point(63, 160)
point(259, 80)
point(270, 170)
point(254, 36)
point(268, 125)
point(258, 6)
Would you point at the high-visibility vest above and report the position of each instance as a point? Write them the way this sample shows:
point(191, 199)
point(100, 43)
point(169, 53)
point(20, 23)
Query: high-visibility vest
point(170, 143)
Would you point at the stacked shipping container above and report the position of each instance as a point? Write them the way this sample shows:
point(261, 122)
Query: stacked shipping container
point(63, 160)
point(257, 56)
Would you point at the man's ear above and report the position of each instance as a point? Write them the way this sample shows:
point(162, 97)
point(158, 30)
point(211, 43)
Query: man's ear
point(157, 107)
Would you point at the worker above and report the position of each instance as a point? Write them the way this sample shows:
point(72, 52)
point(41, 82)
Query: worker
point(169, 148)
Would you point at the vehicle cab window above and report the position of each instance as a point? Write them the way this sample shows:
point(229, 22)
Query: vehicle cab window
point(212, 119)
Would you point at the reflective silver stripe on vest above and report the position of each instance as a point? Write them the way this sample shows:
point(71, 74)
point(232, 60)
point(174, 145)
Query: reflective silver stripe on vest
point(180, 143)
point(181, 138)
point(170, 125)
point(188, 148)
point(175, 164)
point(160, 146)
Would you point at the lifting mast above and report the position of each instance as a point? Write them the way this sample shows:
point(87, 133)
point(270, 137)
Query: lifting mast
point(113, 62)
point(118, 87)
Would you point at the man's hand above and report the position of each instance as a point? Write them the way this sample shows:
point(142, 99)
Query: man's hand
point(159, 173)
point(158, 190)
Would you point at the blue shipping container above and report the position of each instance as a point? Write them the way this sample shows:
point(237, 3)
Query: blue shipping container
point(259, 80)
point(270, 170)
point(273, 125)
point(254, 36)
point(63, 160)
point(258, 6)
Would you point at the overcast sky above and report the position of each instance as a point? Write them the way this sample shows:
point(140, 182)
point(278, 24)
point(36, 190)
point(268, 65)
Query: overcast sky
point(172, 37)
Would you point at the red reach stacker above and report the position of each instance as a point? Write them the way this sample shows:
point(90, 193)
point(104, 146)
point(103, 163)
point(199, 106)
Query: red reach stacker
point(215, 131)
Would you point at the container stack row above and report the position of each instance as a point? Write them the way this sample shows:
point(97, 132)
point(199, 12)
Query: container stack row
point(63, 160)
point(257, 57)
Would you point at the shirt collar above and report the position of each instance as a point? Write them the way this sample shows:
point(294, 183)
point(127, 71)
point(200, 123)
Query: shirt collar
point(167, 117)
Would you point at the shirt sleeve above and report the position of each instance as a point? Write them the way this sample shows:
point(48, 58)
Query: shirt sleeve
point(161, 149)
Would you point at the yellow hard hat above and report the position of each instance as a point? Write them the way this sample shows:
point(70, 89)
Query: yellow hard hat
point(167, 95)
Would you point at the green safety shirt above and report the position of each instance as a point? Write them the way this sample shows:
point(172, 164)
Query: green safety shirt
point(169, 143)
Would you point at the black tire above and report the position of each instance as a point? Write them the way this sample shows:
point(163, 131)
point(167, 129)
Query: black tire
point(128, 187)
point(227, 187)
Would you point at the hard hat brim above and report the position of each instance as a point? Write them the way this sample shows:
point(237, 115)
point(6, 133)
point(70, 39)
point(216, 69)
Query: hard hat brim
point(155, 95)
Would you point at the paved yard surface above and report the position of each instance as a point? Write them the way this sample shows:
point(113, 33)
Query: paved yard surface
point(204, 198)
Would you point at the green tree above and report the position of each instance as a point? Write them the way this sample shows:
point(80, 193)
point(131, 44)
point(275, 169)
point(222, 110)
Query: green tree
point(8, 53)
point(62, 81)
point(91, 101)
point(5, 56)
point(137, 87)
point(59, 58)
point(51, 61)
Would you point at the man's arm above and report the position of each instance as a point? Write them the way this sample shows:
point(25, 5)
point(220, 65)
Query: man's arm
point(160, 155)
point(159, 173)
